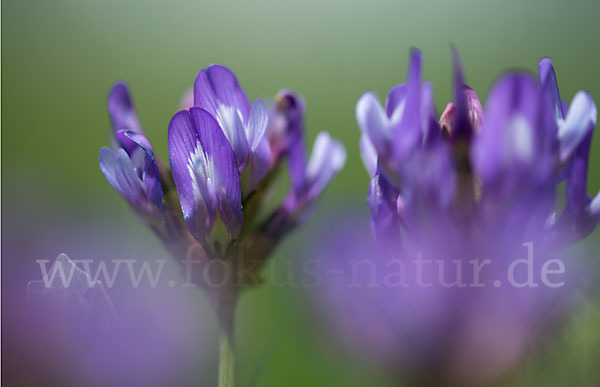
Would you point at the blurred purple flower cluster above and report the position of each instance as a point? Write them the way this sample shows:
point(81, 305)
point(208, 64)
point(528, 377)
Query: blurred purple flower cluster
point(497, 170)
point(458, 204)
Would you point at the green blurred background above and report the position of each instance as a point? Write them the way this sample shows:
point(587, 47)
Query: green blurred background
point(61, 57)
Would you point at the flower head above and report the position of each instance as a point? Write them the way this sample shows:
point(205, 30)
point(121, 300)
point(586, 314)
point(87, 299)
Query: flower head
point(507, 159)
point(308, 175)
point(225, 155)
point(448, 193)
point(218, 92)
point(286, 132)
point(206, 176)
point(131, 169)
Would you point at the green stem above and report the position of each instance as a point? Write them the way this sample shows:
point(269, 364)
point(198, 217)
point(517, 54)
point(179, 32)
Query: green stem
point(226, 359)
point(224, 300)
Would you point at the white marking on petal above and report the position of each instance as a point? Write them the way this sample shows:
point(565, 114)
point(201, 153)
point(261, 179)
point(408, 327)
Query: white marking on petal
point(373, 121)
point(594, 206)
point(519, 139)
point(368, 154)
point(328, 157)
point(397, 114)
point(231, 121)
point(257, 124)
point(551, 221)
point(320, 152)
point(580, 120)
point(202, 172)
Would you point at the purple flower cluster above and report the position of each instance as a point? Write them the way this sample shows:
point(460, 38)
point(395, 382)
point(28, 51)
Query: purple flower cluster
point(457, 202)
point(225, 153)
point(493, 169)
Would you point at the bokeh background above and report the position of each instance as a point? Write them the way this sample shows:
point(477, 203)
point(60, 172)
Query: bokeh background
point(59, 60)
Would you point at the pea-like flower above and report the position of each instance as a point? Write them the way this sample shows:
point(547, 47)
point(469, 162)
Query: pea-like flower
point(224, 153)
point(220, 154)
point(211, 207)
point(218, 92)
point(131, 168)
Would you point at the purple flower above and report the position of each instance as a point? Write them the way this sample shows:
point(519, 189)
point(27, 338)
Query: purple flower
point(575, 123)
point(474, 113)
point(422, 312)
point(121, 109)
point(286, 133)
point(206, 176)
point(474, 184)
point(396, 130)
point(225, 158)
point(512, 156)
point(327, 158)
point(308, 176)
point(217, 91)
point(224, 154)
point(131, 169)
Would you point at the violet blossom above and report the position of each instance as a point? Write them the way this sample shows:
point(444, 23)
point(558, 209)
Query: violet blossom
point(445, 195)
point(220, 150)
point(131, 169)
point(221, 158)
point(210, 209)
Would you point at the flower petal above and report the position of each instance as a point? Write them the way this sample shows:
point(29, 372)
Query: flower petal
point(286, 134)
point(474, 108)
point(431, 130)
point(296, 156)
point(132, 140)
point(186, 155)
point(395, 100)
point(461, 122)
point(368, 154)
point(373, 122)
point(150, 173)
point(108, 161)
point(428, 183)
point(130, 185)
point(547, 78)
point(257, 124)
point(218, 85)
point(576, 187)
point(259, 165)
point(382, 199)
point(121, 109)
point(217, 91)
point(594, 211)
point(234, 130)
point(227, 179)
point(469, 112)
point(328, 157)
point(580, 121)
point(448, 118)
point(507, 142)
point(408, 133)
point(123, 176)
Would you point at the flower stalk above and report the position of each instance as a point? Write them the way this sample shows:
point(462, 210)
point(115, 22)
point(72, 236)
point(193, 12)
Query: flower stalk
point(226, 358)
